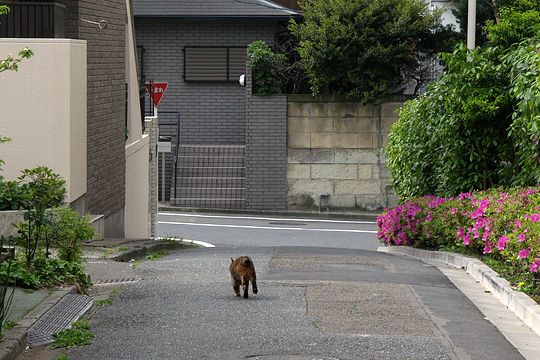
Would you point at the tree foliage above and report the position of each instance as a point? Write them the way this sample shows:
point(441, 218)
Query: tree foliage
point(268, 68)
point(362, 48)
point(11, 62)
point(478, 126)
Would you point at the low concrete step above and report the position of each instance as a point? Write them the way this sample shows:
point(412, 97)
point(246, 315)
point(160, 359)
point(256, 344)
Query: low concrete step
point(211, 203)
point(194, 192)
point(211, 182)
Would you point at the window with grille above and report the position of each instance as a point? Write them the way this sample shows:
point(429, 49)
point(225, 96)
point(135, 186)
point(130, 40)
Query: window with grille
point(214, 63)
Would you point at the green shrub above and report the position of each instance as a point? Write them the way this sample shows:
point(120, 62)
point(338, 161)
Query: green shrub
point(267, 67)
point(66, 229)
point(11, 195)
point(42, 189)
point(79, 334)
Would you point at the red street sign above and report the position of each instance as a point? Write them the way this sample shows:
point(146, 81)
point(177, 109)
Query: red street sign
point(159, 90)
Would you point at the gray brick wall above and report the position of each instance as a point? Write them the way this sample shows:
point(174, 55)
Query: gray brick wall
point(106, 99)
point(210, 113)
point(266, 151)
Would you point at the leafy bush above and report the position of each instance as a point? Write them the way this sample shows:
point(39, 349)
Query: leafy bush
point(476, 127)
point(502, 225)
point(43, 189)
point(11, 195)
point(67, 229)
point(44, 272)
point(268, 68)
point(362, 48)
point(514, 26)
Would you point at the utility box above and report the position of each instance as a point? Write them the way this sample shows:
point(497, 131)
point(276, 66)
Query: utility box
point(164, 144)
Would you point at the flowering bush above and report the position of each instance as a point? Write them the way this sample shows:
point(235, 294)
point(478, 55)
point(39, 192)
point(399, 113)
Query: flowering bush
point(501, 225)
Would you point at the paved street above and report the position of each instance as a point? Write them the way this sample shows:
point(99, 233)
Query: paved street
point(313, 303)
point(243, 230)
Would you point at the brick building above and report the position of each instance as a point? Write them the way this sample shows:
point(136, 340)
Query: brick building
point(83, 106)
point(198, 47)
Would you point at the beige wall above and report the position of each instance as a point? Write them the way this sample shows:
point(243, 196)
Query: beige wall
point(43, 110)
point(137, 213)
point(336, 148)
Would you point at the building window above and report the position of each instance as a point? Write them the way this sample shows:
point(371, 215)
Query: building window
point(214, 63)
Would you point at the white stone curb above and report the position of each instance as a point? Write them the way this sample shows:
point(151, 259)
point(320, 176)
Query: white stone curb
point(520, 304)
point(187, 241)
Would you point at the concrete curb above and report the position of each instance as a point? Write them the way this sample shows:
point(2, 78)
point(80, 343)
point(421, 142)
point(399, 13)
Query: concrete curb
point(527, 310)
point(308, 214)
point(144, 250)
point(14, 341)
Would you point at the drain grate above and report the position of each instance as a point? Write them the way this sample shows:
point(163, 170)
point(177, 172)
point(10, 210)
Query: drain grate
point(60, 317)
point(115, 281)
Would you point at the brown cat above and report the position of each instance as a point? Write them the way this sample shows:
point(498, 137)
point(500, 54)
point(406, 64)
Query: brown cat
point(242, 272)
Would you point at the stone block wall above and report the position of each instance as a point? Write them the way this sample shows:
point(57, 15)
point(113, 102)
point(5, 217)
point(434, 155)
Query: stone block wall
point(335, 148)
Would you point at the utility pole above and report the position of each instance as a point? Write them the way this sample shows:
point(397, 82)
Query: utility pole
point(471, 24)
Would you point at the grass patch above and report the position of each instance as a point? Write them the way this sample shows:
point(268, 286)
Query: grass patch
point(155, 255)
point(8, 325)
point(123, 248)
point(109, 300)
point(62, 357)
point(78, 335)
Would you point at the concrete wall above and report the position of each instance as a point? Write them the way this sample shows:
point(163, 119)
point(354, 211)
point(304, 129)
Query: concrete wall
point(136, 214)
point(335, 148)
point(44, 110)
point(7, 219)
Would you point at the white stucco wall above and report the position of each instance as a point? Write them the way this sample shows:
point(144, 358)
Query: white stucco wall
point(137, 213)
point(43, 110)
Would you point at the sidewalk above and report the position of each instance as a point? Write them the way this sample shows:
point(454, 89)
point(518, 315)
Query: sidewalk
point(104, 265)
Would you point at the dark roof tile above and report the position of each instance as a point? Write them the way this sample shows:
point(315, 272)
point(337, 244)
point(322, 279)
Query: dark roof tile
point(210, 9)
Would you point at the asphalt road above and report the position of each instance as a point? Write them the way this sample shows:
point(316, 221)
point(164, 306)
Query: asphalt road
point(315, 301)
point(242, 230)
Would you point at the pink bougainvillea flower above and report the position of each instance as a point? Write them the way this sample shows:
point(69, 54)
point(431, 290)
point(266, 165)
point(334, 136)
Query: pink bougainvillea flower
point(535, 265)
point(524, 253)
point(521, 237)
point(501, 244)
point(488, 247)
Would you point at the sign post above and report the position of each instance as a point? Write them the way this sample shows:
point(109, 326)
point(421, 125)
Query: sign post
point(156, 90)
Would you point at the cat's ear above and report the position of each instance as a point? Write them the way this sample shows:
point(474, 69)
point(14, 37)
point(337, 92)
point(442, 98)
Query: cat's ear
point(232, 260)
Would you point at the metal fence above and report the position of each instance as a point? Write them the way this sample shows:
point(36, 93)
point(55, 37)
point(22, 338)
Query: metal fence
point(39, 19)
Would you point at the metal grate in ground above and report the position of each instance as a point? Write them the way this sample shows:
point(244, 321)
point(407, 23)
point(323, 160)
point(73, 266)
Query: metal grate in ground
point(60, 317)
point(115, 281)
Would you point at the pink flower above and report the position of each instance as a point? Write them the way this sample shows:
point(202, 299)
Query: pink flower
point(524, 253)
point(460, 233)
point(518, 224)
point(466, 240)
point(488, 248)
point(534, 217)
point(501, 244)
point(535, 265)
point(453, 211)
point(521, 237)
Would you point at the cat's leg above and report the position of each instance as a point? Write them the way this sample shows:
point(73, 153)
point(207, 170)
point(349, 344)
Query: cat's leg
point(254, 282)
point(236, 286)
point(245, 285)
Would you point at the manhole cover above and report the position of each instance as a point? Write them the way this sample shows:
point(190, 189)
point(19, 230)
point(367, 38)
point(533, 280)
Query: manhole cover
point(60, 317)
